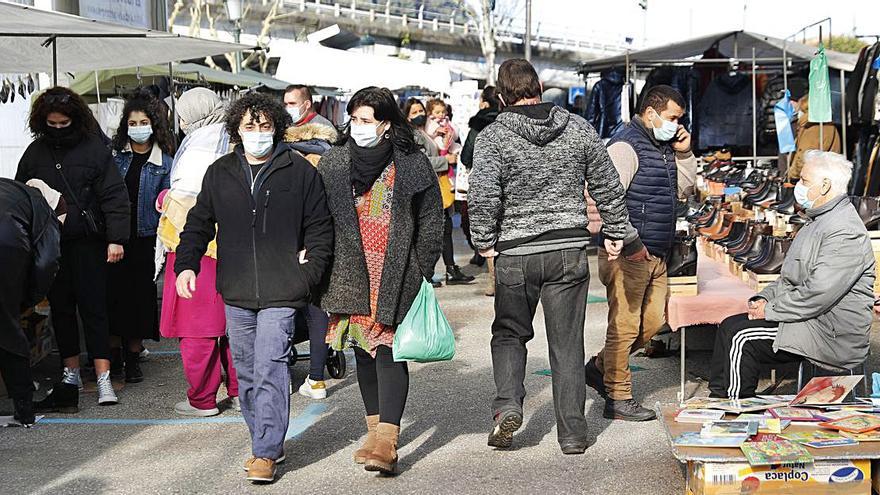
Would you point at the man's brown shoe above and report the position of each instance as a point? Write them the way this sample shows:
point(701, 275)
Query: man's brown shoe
point(360, 455)
point(249, 462)
point(261, 471)
point(383, 459)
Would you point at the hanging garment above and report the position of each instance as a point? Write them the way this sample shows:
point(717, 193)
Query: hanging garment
point(684, 79)
point(784, 113)
point(604, 110)
point(724, 114)
point(772, 94)
point(820, 88)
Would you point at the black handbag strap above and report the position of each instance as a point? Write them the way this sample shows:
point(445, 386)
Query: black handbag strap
point(66, 184)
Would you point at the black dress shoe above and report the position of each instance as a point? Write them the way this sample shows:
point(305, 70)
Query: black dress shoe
point(595, 377)
point(454, 276)
point(627, 410)
point(24, 411)
point(573, 448)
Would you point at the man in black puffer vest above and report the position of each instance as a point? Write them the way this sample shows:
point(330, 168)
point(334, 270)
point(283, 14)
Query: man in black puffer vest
point(653, 157)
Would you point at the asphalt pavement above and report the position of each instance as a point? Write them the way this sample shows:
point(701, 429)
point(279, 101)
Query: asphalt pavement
point(140, 446)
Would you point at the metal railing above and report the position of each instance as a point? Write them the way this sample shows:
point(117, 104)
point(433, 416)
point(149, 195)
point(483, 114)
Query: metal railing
point(455, 22)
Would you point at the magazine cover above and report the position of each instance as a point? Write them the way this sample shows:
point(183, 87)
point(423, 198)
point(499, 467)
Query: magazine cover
point(693, 439)
point(698, 415)
point(771, 453)
point(766, 424)
point(859, 423)
point(826, 390)
point(795, 413)
point(824, 444)
point(812, 436)
point(868, 436)
point(729, 428)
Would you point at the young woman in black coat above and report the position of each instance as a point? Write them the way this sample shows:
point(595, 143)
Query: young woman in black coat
point(69, 155)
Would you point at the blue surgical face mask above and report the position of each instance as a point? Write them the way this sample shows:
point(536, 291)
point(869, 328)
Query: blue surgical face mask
point(295, 114)
point(258, 144)
point(666, 131)
point(801, 195)
point(365, 135)
point(140, 134)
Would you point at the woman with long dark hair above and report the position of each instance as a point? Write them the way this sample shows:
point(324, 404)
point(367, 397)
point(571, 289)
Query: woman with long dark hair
point(69, 155)
point(415, 112)
point(385, 202)
point(143, 149)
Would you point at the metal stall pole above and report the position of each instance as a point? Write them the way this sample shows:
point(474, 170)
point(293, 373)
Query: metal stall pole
point(98, 88)
point(54, 61)
point(843, 119)
point(821, 130)
point(754, 111)
point(172, 90)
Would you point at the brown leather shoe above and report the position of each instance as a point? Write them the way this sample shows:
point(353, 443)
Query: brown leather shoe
point(248, 463)
point(383, 459)
point(261, 471)
point(360, 455)
point(716, 226)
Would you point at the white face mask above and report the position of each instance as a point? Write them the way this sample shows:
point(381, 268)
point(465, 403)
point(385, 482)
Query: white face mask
point(365, 135)
point(257, 144)
point(666, 131)
point(295, 113)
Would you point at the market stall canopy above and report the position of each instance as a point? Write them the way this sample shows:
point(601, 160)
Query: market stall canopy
point(121, 80)
point(732, 44)
point(85, 44)
point(315, 65)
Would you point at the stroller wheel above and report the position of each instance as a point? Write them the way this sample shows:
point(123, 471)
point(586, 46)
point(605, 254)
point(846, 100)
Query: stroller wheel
point(336, 364)
point(294, 356)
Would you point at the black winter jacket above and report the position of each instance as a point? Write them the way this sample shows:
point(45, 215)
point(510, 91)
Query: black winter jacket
point(477, 123)
point(91, 171)
point(261, 223)
point(30, 246)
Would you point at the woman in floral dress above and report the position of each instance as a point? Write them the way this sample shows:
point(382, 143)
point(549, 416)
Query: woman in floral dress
point(388, 221)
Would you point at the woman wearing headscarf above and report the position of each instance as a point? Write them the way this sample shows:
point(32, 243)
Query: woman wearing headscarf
point(69, 155)
point(143, 149)
point(388, 219)
point(199, 323)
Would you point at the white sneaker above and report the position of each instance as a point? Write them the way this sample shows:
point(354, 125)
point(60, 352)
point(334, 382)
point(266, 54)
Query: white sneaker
point(185, 408)
point(72, 377)
point(236, 404)
point(144, 354)
point(313, 389)
point(106, 395)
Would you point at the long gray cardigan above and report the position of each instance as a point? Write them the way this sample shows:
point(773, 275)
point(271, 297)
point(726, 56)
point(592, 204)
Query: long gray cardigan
point(414, 239)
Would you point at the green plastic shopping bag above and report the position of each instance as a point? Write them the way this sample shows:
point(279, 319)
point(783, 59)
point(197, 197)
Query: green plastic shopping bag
point(820, 88)
point(424, 335)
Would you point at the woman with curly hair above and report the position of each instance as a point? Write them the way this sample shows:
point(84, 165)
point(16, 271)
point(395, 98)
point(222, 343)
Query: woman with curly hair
point(143, 149)
point(388, 215)
point(266, 205)
point(69, 155)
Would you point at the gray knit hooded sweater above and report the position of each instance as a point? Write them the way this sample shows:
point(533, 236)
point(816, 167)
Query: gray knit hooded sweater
point(530, 169)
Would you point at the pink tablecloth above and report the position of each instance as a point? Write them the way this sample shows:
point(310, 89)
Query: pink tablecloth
point(720, 295)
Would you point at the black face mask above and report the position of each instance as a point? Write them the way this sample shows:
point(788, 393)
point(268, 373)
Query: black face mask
point(61, 135)
point(419, 121)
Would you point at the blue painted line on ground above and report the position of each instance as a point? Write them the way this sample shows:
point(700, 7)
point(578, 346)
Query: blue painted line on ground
point(164, 353)
point(301, 423)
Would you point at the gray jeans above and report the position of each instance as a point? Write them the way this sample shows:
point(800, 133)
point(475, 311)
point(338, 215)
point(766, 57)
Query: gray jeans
point(560, 280)
point(260, 345)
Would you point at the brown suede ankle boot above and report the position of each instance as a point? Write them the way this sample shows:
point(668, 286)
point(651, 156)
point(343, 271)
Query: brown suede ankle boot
point(383, 459)
point(360, 455)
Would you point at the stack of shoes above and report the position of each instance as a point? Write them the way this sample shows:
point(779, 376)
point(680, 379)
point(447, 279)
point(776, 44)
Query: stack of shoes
point(682, 259)
point(869, 210)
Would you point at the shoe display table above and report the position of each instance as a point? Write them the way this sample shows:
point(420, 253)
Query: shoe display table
point(720, 295)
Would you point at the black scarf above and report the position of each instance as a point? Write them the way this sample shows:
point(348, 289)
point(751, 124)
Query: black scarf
point(367, 164)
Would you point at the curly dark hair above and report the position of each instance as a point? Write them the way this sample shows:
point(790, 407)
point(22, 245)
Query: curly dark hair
point(144, 101)
point(66, 102)
point(385, 109)
point(257, 105)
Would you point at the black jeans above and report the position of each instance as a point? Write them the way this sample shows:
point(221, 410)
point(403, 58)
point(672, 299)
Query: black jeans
point(17, 375)
point(742, 348)
point(384, 384)
point(560, 281)
point(448, 251)
point(81, 284)
point(318, 348)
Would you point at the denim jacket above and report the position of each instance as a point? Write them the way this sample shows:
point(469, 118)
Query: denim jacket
point(155, 178)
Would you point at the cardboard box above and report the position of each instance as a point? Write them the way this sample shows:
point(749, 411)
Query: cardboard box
point(758, 282)
point(683, 286)
point(822, 477)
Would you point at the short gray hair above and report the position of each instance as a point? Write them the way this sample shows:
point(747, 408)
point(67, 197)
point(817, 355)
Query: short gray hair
point(831, 166)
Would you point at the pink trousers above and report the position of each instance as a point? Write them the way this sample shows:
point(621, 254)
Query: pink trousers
point(202, 361)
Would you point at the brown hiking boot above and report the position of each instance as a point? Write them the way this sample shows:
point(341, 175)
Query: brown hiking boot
point(360, 455)
point(261, 471)
point(383, 458)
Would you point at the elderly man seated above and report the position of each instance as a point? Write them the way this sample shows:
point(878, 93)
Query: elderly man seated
point(820, 307)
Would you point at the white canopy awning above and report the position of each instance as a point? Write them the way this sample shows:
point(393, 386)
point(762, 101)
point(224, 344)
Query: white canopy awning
point(26, 36)
point(732, 44)
point(316, 65)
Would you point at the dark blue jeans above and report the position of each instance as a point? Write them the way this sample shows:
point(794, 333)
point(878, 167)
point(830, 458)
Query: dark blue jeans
point(260, 345)
point(560, 281)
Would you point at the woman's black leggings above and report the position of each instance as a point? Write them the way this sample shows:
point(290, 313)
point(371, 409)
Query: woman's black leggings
point(384, 384)
point(448, 252)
